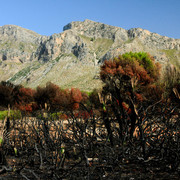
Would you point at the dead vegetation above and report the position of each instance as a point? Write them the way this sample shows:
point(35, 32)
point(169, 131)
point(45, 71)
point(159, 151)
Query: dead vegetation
point(80, 148)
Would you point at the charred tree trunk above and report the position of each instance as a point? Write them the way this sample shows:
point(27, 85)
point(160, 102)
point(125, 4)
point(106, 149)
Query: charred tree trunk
point(2, 157)
point(108, 127)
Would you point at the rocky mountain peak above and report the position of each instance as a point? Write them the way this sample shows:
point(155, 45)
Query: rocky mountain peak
point(27, 57)
point(17, 43)
point(153, 39)
point(17, 33)
point(97, 30)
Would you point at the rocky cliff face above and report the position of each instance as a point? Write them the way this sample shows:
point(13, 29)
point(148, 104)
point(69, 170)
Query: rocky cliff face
point(17, 44)
point(72, 58)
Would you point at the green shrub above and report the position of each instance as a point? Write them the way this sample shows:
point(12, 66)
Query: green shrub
point(13, 114)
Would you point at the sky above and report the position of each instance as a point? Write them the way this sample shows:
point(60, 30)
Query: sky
point(47, 17)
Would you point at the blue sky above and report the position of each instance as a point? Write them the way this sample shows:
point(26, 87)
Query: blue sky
point(49, 16)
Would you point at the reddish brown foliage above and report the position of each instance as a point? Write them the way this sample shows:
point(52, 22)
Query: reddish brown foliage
point(126, 108)
point(132, 68)
point(139, 97)
point(47, 95)
point(26, 95)
point(76, 97)
point(141, 72)
point(9, 94)
point(57, 98)
point(126, 78)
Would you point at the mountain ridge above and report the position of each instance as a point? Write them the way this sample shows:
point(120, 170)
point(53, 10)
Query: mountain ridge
point(75, 54)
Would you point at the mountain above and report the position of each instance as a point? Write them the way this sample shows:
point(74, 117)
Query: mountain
point(72, 58)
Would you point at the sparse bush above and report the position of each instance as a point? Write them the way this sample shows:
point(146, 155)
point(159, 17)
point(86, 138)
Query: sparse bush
point(171, 82)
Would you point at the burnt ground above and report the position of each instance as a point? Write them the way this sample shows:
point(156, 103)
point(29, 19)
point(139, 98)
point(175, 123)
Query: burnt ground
point(85, 157)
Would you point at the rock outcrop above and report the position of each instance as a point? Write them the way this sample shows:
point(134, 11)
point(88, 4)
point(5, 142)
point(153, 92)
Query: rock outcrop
point(72, 58)
point(17, 44)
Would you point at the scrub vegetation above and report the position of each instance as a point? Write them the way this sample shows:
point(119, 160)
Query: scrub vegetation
point(128, 129)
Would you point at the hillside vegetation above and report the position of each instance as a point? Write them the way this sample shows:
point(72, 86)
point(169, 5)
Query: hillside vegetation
point(73, 57)
point(127, 129)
